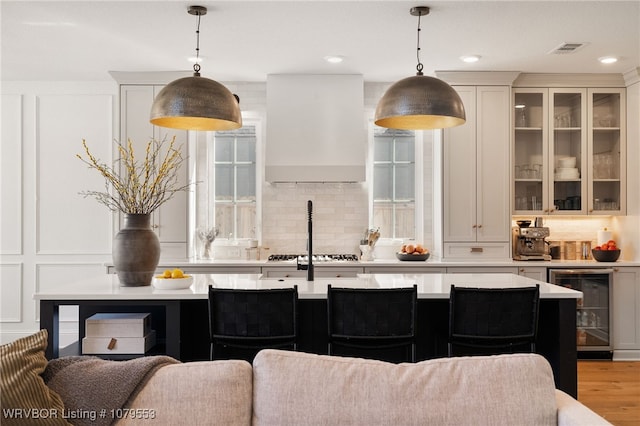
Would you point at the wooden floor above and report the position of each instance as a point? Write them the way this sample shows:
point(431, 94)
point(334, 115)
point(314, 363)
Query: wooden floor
point(611, 389)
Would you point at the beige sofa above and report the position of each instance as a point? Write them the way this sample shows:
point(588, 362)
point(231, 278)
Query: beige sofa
point(281, 388)
point(290, 388)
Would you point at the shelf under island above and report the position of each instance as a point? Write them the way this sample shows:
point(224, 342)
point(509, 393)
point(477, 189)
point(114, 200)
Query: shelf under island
point(180, 317)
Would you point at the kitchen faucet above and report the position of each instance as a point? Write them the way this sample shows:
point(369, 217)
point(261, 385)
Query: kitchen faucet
point(309, 266)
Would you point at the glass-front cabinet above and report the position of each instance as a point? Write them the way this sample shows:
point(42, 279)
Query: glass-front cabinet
point(568, 151)
point(531, 150)
point(606, 150)
point(569, 148)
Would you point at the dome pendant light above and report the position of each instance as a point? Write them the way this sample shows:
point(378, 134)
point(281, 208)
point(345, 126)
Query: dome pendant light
point(196, 103)
point(420, 102)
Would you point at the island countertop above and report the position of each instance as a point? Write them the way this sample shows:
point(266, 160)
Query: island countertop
point(430, 286)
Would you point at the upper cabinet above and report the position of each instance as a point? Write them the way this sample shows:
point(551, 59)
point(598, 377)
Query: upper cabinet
point(476, 215)
point(606, 151)
point(170, 220)
point(568, 151)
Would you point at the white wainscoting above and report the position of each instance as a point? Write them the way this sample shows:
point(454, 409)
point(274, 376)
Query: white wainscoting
point(49, 232)
point(68, 223)
point(11, 175)
point(11, 293)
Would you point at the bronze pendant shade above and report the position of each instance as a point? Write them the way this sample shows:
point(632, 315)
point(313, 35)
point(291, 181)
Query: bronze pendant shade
point(196, 103)
point(420, 102)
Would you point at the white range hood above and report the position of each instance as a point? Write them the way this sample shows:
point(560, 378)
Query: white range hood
point(316, 128)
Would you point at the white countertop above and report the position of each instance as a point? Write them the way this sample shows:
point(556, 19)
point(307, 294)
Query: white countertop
point(430, 263)
point(430, 286)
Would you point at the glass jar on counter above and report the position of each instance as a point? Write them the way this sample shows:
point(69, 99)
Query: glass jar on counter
point(570, 250)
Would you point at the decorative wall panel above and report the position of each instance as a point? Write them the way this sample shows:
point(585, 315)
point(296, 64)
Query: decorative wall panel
point(11, 179)
point(11, 292)
point(68, 223)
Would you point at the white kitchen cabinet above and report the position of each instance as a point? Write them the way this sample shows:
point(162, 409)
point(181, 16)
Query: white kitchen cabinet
point(318, 272)
point(476, 176)
point(170, 221)
point(482, 270)
point(533, 272)
point(569, 151)
point(626, 313)
point(424, 269)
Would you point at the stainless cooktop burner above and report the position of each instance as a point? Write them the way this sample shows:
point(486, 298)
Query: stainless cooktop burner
point(316, 257)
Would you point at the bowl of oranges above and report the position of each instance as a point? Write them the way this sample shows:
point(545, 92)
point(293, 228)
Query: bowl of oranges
point(413, 252)
point(172, 279)
point(607, 252)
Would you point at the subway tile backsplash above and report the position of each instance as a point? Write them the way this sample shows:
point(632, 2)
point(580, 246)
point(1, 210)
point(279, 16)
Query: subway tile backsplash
point(339, 216)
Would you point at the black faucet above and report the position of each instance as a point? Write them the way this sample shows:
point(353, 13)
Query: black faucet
point(309, 266)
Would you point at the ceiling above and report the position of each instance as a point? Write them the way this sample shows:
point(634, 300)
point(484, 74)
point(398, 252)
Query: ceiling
point(247, 40)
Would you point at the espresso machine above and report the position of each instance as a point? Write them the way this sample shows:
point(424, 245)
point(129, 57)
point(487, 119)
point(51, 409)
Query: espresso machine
point(529, 242)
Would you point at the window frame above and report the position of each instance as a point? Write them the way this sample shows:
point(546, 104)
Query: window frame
point(418, 184)
point(203, 202)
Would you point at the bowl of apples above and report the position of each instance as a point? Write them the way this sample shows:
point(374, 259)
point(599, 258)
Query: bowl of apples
point(607, 252)
point(172, 280)
point(411, 252)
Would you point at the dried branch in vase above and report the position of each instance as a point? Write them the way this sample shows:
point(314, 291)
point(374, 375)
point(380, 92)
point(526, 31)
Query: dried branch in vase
point(138, 188)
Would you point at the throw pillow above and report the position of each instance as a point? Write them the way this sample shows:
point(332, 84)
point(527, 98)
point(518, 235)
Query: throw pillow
point(25, 398)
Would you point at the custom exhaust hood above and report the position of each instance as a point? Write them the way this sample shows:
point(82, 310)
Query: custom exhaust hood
point(316, 128)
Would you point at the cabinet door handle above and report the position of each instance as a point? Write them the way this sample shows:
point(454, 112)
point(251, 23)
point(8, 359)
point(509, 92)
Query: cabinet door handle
point(474, 226)
point(476, 250)
point(155, 226)
point(479, 226)
point(521, 269)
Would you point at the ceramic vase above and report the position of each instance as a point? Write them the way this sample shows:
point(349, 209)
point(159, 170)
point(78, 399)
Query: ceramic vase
point(136, 251)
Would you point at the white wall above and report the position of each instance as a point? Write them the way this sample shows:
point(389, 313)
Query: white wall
point(49, 234)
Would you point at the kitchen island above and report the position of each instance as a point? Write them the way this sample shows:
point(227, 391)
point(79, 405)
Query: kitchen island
point(180, 317)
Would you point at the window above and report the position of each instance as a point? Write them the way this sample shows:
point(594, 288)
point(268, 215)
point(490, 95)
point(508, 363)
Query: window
point(394, 183)
point(235, 182)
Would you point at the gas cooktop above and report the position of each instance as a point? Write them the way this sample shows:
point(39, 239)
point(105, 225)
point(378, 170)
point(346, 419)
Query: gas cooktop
point(316, 257)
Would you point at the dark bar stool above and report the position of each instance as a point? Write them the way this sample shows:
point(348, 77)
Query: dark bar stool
point(372, 319)
point(251, 320)
point(493, 320)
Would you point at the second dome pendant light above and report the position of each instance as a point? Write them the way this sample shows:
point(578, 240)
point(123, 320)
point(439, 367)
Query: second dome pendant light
point(420, 102)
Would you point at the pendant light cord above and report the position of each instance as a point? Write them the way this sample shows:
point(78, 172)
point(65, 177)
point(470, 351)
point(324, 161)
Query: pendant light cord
point(419, 67)
point(196, 66)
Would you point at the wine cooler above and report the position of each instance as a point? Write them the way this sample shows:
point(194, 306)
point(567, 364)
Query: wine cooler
point(593, 313)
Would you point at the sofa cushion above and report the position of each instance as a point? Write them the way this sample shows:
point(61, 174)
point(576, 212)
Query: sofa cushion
point(291, 388)
point(195, 393)
point(23, 392)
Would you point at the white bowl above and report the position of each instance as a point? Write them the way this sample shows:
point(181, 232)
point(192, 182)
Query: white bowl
point(172, 283)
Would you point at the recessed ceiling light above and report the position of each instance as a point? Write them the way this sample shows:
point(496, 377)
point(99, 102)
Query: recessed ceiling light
point(608, 60)
point(470, 58)
point(334, 59)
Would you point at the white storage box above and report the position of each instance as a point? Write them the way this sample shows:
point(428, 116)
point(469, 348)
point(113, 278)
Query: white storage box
point(118, 325)
point(118, 345)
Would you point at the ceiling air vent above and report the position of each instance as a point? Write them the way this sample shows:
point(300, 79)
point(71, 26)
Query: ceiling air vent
point(565, 48)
